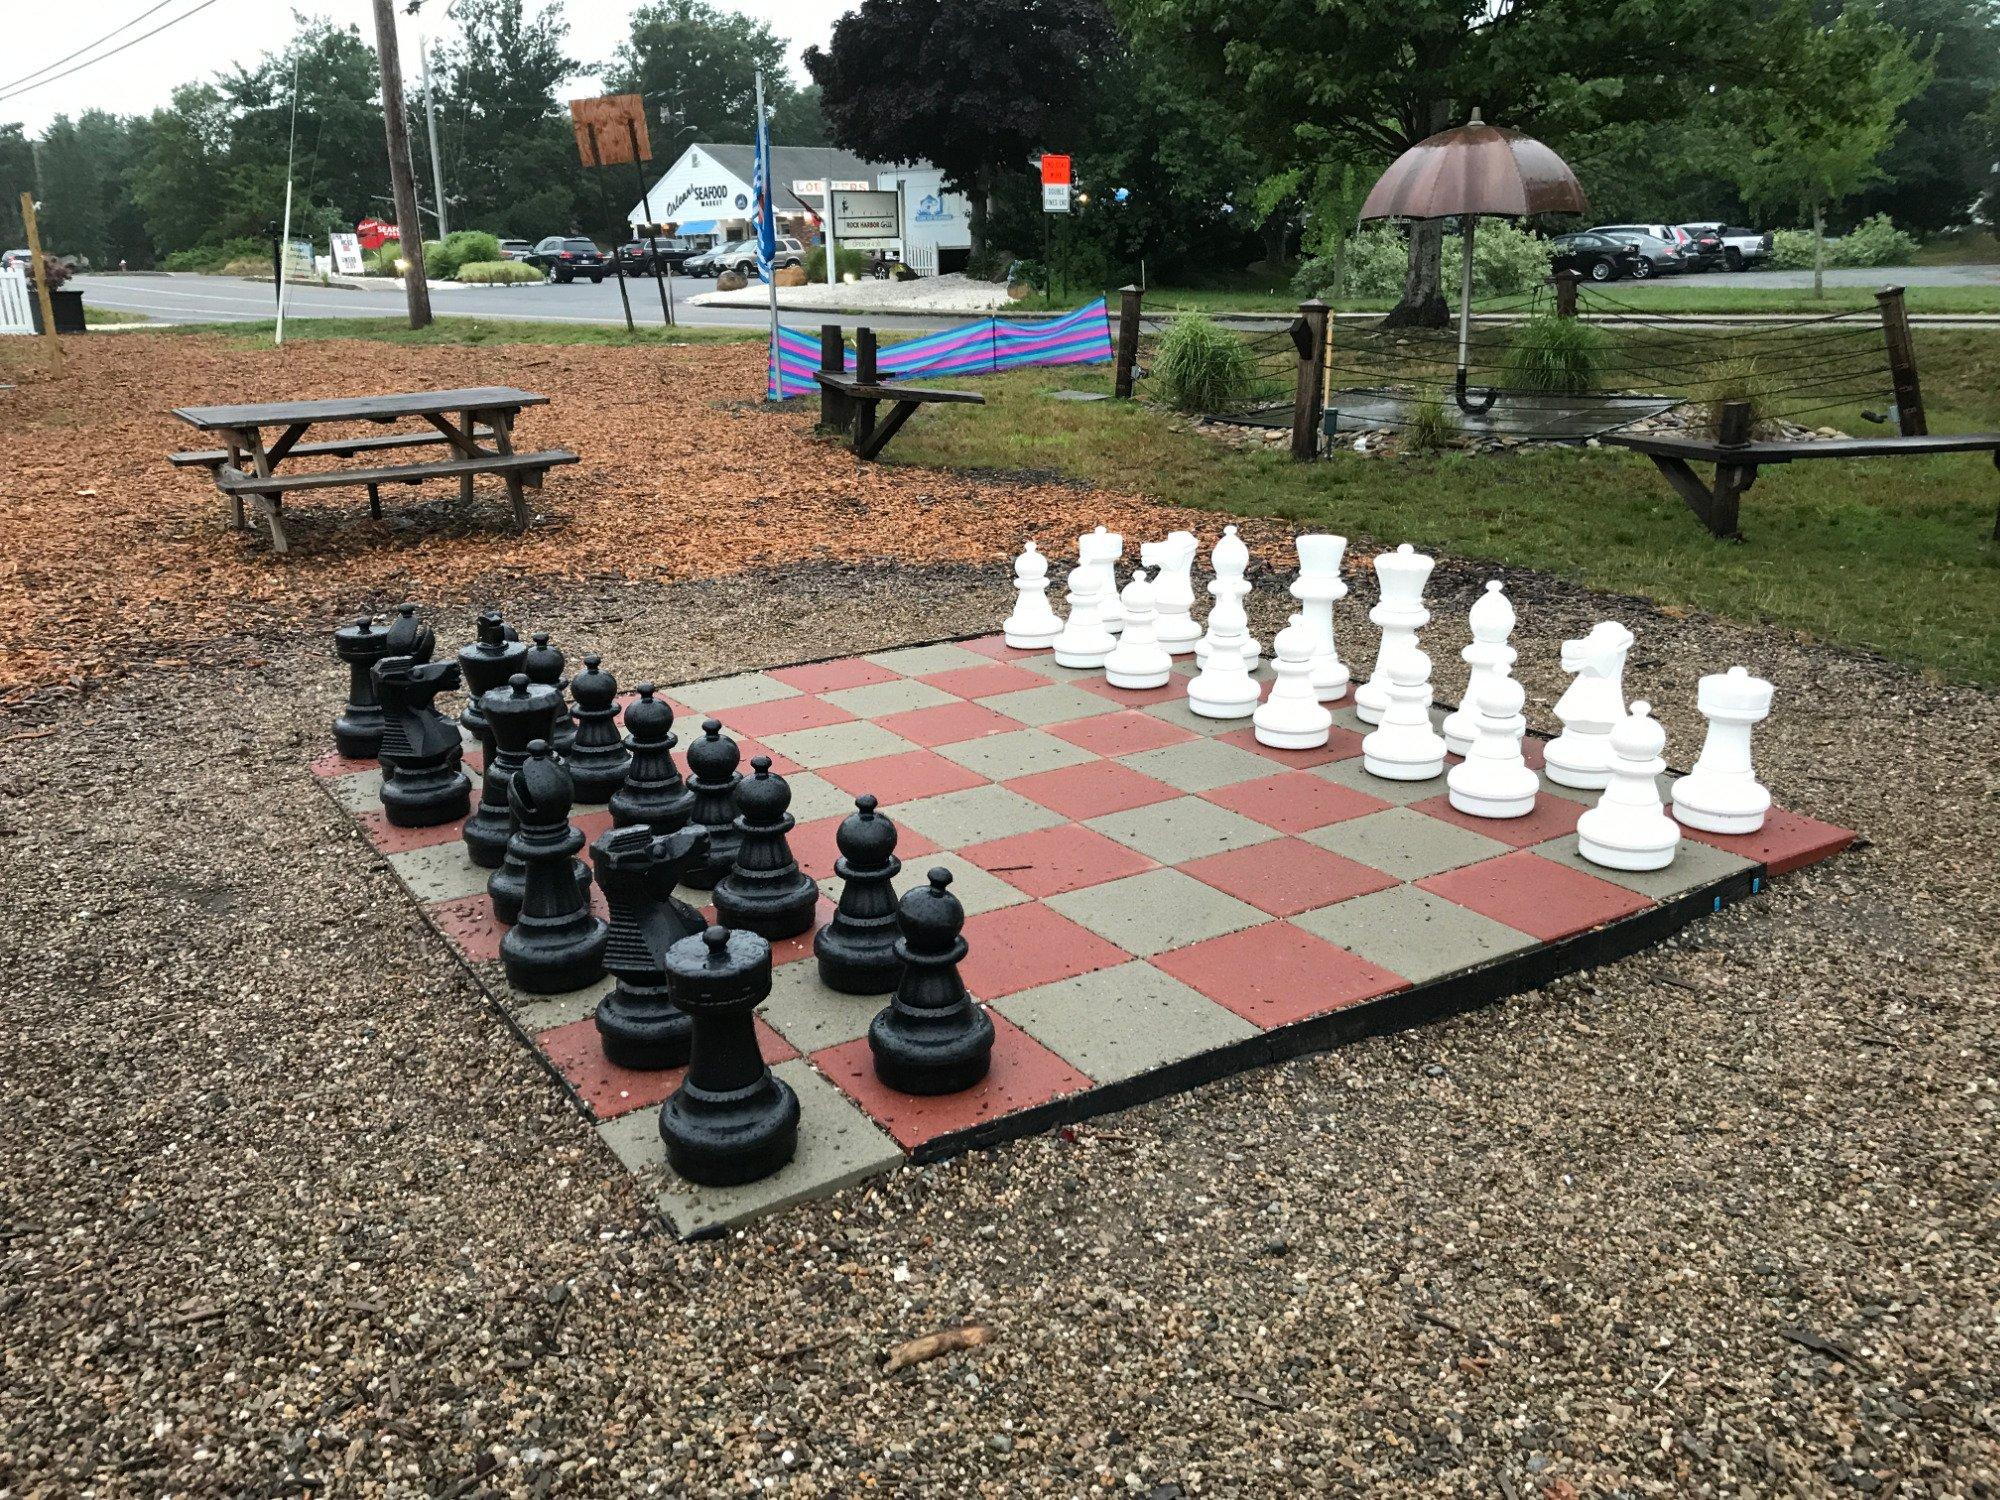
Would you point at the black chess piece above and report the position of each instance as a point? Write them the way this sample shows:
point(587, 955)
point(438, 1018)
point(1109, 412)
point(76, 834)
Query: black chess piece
point(545, 663)
point(713, 778)
point(857, 947)
point(639, 1023)
point(932, 1038)
point(598, 760)
point(518, 715)
point(357, 728)
point(555, 944)
point(493, 657)
point(410, 636)
point(765, 891)
point(653, 793)
point(731, 1121)
point(422, 785)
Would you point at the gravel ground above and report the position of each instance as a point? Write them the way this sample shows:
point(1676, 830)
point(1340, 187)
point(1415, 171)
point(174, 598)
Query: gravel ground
point(282, 1210)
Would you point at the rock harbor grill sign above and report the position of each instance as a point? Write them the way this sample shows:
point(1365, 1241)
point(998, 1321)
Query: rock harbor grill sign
point(866, 216)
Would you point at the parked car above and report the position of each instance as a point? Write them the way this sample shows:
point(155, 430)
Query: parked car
point(789, 252)
point(636, 256)
point(1657, 257)
point(718, 258)
point(564, 257)
point(16, 260)
point(1596, 256)
point(1703, 246)
point(1673, 234)
point(1741, 248)
point(515, 249)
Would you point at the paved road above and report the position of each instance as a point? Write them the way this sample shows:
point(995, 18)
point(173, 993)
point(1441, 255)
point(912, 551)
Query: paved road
point(1872, 277)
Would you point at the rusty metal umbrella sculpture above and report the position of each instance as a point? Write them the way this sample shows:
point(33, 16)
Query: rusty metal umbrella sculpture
point(1464, 173)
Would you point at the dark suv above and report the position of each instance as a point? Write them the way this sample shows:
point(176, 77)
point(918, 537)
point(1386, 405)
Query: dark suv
point(564, 258)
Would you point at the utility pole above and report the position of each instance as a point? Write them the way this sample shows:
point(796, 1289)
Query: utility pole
point(402, 179)
point(431, 128)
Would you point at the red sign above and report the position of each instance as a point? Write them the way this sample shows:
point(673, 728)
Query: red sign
point(373, 233)
point(1055, 170)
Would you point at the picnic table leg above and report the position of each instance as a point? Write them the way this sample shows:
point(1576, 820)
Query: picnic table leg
point(375, 501)
point(879, 438)
point(267, 505)
point(233, 504)
point(1681, 477)
point(471, 450)
point(503, 442)
point(864, 425)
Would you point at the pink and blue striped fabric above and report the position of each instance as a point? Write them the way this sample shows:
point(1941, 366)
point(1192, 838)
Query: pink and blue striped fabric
point(993, 344)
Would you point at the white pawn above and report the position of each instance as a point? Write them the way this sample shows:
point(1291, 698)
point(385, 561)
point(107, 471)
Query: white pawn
point(1173, 592)
point(1138, 660)
point(1033, 626)
point(1491, 659)
point(1629, 829)
point(1292, 718)
point(1230, 559)
point(1404, 747)
point(1318, 587)
point(1581, 755)
point(1722, 794)
point(1224, 688)
point(1494, 781)
point(1099, 551)
point(1083, 641)
point(1401, 614)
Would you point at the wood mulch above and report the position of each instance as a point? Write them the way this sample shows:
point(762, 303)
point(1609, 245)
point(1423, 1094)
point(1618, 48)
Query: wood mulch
point(109, 559)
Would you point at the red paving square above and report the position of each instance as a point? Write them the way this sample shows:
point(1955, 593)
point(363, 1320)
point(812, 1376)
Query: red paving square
point(1053, 860)
point(813, 845)
point(1534, 751)
point(1295, 801)
point(389, 839)
point(1176, 687)
point(1787, 841)
point(1276, 974)
point(1019, 947)
point(832, 676)
point(1341, 744)
point(1288, 877)
point(1120, 734)
point(784, 765)
point(1024, 1074)
point(333, 763)
point(984, 682)
point(1551, 817)
point(475, 760)
point(469, 924)
point(786, 714)
point(1535, 895)
point(611, 1091)
point(1093, 789)
point(948, 723)
point(791, 949)
point(996, 647)
point(904, 777)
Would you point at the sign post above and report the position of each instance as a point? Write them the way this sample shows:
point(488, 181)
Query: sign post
point(40, 264)
point(1055, 200)
point(609, 131)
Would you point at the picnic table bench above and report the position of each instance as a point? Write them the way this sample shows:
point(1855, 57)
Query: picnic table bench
point(475, 423)
point(848, 402)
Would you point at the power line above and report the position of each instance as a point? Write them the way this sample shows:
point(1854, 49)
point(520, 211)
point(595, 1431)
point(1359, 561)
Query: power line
point(103, 56)
point(87, 46)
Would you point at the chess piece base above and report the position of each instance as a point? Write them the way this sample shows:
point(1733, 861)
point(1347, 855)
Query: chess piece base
point(1295, 739)
point(508, 887)
point(595, 784)
point(486, 838)
point(357, 733)
point(426, 802)
point(722, 846)
point(727, 1139)
point(1330, 687)
point(1031, 640)
point(1137, 681)
point(1212, 707)
point(1719, 814)
point(1492, 807)
point(644, 1030)
point(859, 957)
point(1370, 702)
point(931, 1052)
point(1084, 659)
point(1180, 645)
point(1586, 767)
point(553, 963)
point(1402, 770)
point(772, 909)
point(1655, 855)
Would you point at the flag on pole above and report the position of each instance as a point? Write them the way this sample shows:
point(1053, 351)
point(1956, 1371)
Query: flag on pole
point(760, 190)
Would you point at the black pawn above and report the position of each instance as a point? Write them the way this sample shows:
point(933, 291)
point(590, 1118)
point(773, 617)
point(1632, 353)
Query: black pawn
point(857, 947)
point(556, 944)
point(639, 1023)
point(512, 716)
point(731, 1121)
point(357, 728)
point(422, 785)
point(765, 890)
point(932, 1038)
point(713, 778)
point(598, 760)
point(545, 663)
point(653, 793)
point(493, 657)
point(410, 636)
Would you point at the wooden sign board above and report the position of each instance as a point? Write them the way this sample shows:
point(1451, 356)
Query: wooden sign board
point(610, 130)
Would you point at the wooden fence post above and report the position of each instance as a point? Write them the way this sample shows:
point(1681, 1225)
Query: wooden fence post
point(1565, 284)
point(1128, 341)
point(1306, 397)
point(38, 264)
point(1732, 430)
point(833, 406)
point(1902, 362)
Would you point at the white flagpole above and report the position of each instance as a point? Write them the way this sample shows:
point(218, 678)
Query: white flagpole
point(766, 207)
point(285, 240)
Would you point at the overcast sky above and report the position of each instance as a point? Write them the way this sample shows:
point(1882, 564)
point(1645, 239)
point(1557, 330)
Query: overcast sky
point(142, 77)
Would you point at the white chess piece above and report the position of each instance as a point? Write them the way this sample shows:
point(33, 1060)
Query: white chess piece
point(1230, 559)
point(1581, 755)
point(1033, 626)
point(1629, 829)
point(1491, 659)
point(1401, 614)
point(1318, 587)
point(1138, 660)
point(1083, 640)
point(1404, 747)
point(1494, 781)
point(1722, 794)
point(1099, 551)
point(1292, 718)
point(1173, 591)
point(1224, 688)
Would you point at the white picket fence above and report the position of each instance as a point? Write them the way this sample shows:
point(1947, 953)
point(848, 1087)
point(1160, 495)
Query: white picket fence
point(922, 259)
point(15, 314)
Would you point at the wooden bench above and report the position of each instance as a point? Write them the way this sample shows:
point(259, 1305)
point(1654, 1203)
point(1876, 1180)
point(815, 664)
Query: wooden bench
point(517, 468)
point(849, 402)
point(215, 458)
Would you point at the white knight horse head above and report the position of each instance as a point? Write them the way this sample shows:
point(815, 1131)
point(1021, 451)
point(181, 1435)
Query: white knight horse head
point(1601, 653)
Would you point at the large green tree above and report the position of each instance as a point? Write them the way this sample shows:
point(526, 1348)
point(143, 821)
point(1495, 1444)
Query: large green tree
point(510, 163)
point(17, 176)
point(1941, 162)
point(697, 68)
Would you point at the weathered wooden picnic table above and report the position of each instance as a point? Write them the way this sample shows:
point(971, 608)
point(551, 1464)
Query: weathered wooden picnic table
point(465, 420)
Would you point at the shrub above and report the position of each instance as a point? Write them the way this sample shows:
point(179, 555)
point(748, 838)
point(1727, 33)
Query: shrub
point(845, 262)
point(497, 272)
point(1735, 380)
point(1563, 355)
point(1431, 426)
point(1201, 366)
point(989, 264)
point(1506, 261)
point(468, 245)
point(381, 261)
point(213, 258)
point(1872, 242)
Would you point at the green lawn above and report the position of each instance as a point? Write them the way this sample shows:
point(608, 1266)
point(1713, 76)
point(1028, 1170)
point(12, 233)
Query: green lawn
point(1892, 556)
point(457, 330)
point(1686, 295)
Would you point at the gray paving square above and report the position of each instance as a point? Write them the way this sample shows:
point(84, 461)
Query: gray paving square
point(357, 791)
point(809, 1015)
point(1344, 716)
point(1351, 773)
point(1176, 712)
point(1183, 829)
point(1161, 909)
point(953, 820)
point(1047, 666)
point(542, 1012)
point(976, 890)
point(1200, 765)
point(921, 661)
point(1406, 844)
point(1695, 864)
point(1002, 757)
point(1118, 1023)
point(1412, 932)
point(442, 872)
point(721, 693)
point(815, 797)
point(1058, 703)
point(837, 744)
point(838, 1146)
point(878, 699)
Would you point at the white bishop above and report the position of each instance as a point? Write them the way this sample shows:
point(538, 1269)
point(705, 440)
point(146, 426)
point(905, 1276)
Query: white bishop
point(1230, 559)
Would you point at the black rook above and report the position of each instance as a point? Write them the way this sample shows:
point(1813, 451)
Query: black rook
point(357, 728)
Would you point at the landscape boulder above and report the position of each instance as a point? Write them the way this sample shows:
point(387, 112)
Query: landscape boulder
point(730, 281)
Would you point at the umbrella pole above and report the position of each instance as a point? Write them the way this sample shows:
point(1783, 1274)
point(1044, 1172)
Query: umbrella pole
point(1465, 403)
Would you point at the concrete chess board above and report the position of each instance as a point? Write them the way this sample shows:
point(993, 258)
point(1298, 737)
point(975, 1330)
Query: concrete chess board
point(1154, 900)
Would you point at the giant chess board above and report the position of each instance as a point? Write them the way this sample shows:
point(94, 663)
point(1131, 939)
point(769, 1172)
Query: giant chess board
point(1155, 901)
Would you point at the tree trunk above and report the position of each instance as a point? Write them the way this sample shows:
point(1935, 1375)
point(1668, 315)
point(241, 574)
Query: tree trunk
point(1275, 229)
point(1423, 304)
point(978, 205)
point(1819, 251)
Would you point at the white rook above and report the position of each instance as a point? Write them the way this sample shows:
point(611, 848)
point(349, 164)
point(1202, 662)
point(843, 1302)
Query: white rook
point(1722, 794)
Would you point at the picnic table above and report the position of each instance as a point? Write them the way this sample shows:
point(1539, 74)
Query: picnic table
point(476, 424)
point(848, 401)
